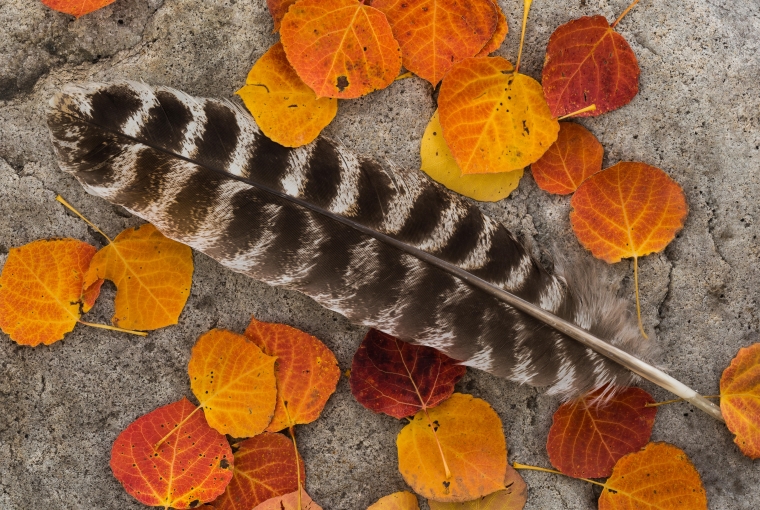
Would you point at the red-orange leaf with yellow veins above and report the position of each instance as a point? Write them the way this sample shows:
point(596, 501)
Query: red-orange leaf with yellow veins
point(41, 290)
point(306, 370)
point(265, 467)
point(627, 210)
point(587, 437)
point(340, 48)
point(76, 7)
point(502, 29)
point(435, 34)
point(740, 399)
point(290, 501)
point(574, 157)
point(278, 8)
point(191, 465)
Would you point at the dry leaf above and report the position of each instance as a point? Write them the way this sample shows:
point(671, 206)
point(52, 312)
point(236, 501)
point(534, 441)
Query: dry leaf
point(76, 7)
point(573, 158)
point(278, 8)
point(403, 500)
point(289, 502)
point(234, 382)
point(502, 29)
point(512, 497)
point(740, 399)
point(440, 166)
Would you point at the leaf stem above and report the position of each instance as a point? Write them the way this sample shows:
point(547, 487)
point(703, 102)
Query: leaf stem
point(526, 9)
point(403, 76)
point(627, 9)
point(638, 304)
point(71, 208)
point(517, 465)
point(113, 328)
point(440, 448)
point(665, 402)
point(292, 432)
point(176, 428)
point(589, 108)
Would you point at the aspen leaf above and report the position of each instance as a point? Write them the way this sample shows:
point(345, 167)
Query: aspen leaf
point(588, 62)
point(502, 29)
point(152, 273)
point(659, 477)
point(41, 290)
point(439, 165)
point(435, 34)
point(278, 8)
point(306, 370)
point(285, 108)
point(403, 500)
point(265, 467)
point(588, 437)
point(289, 502)
point(472, 442)
point(494, 120)
point(574, 157)
point(740, 399)
point(512, 497)
point(340, 48)
point(76, 7)
point(234, 383)
point(192, 463)
point(397, 378)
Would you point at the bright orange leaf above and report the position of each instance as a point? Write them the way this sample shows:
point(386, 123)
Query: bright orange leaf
point(278, 8)
point(265, 467)
point(306, 370)
point(435, 34)
point(289, 502)
point(494, 120)
point(234, 383)
point(41, 290)
point(502, 29)
point(76, 7)
point(403, 500)
point(574, 157)
point(472, 442)
point(740, 399)
point(152, 273)
point(340, 48)
point(659, 477)
point(285, 108)
point(192, 463)
point(512, 497)
point(627, 210)
point(587, 437)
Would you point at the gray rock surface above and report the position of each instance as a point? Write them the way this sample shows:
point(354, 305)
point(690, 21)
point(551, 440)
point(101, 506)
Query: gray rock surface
point(696, 116)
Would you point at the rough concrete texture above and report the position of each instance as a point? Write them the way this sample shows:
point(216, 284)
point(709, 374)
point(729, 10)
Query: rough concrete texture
point(696, 117)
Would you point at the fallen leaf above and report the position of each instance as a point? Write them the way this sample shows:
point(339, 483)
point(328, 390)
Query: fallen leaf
point(192, 464)
point(340, 48)
point(573, 158)
point(397, 378)
point(472, 441)
point(306, 370)
point(403, 500)
point(588, 62)
point(234, 382)
point(265, 467)
point(435, 34)
point(588, 437)
point(494, 120)
point(76, 7)
point(512, 497)
point(289, 502)
point(278, 8)
point(285, 108)
point(41, 290)
point(659, 477)
point(439, 165)
point(627, 210)
point(502, 29)
point(152, 273)
point(740, 399)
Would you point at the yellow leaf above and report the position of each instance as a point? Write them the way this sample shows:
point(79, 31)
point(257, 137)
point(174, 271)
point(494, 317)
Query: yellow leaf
point(440, 165)
point(403, 500)
point(285, 108)
point(512, 497)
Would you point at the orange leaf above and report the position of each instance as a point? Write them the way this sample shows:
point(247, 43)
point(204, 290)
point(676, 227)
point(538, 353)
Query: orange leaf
point(627, 210)
point(152, 273)
point(494, 120)
point(192, 465)
point(76, 7)
point(41, 290)
point(740, 399)
point(403, 500)
point(265, 467)
point(512, 497)
point(234, 383)
point(472, 441)
point(278, 8)
point(435, 34)
point(587, 437)
point(307, 372)
point(289, 502)
point(285, 108)
point(659, 477)
point(502, 29)
point(340, 48)
point(573, 158)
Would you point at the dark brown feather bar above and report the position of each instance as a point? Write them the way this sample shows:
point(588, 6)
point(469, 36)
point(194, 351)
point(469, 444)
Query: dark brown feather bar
point(393, 251)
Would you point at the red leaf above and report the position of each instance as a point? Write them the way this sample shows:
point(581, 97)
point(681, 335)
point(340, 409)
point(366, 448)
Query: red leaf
point(587, 63)
point(396, 378)
point(573, 158)
point(586, 439)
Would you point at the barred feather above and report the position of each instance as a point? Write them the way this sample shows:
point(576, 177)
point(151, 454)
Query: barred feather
point(203, 173)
